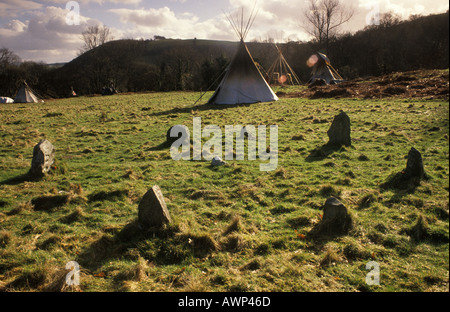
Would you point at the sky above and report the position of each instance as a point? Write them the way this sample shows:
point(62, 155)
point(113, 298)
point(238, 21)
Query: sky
point(49, 31)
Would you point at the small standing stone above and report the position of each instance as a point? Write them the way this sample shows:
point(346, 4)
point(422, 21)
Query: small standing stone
point(339, 132)
point(410, 177)
point(335, 220)
point(152, 210)
point(217, 161)
point(170, 139)
point(43, 158)
point(414, 165)
point(334, 209)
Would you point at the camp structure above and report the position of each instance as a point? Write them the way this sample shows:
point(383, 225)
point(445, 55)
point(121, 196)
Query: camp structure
point(108, 91)
point(5, 99)
point(72, 92)
point(25, 95)
point(242, 83)
point(323, 72)
point(280, 73)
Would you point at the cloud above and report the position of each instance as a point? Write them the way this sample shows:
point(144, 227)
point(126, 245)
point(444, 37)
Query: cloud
point(276, 19)
point(146, 17)
point(164, 21)
point(46, 35)
point(86, 2)
point(36, 29)
point(13, 8)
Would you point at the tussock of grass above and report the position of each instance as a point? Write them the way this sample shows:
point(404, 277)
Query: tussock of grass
point(5, 238)
point(367, 200)
point(354, 251)
point(136, 272)
point(77, 215)
point(331, 257)
point(422, 231)
point(232, 243)
point(21, 207)
point(235, 226)
point(330, 190)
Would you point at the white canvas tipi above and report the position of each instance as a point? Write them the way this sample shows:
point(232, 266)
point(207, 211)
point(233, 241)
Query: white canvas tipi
point(25, 95)
point(243, 83)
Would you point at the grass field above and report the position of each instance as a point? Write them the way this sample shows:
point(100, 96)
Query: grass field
point(234, 227)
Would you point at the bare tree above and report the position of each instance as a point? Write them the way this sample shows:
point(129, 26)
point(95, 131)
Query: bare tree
point(323, 19)
point(95, 36)
point(8, 57)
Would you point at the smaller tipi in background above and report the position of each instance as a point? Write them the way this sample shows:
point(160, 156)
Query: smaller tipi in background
point(25, 95)
point(280, 73)
point(322, 71)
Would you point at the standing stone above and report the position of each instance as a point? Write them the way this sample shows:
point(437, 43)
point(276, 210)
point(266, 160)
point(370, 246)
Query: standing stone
point(414, 165)
point(152, 210)
point(217, 161)
point(334, 209)
point(339, 132)
point(170, 139)
point(335, 220)
point(410, 177)
point(43, 158)
point(181, 132)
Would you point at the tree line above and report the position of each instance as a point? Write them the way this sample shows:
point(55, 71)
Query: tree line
point(161, 64)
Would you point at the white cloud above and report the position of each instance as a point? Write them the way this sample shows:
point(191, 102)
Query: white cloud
point(86, 2)
point(45, 36)
point(150, 18)
point(163, 21)
point(35, 29)
point(277, 19)
point(14, 8)
point(366, 9)
point(15, 26)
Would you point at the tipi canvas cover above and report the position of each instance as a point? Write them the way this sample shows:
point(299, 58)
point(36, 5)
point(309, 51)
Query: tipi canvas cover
point(25, 95)
point(5, 99)
point(323, 70)
point(243, 83)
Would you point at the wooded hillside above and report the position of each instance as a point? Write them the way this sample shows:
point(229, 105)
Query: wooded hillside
point(170, 65)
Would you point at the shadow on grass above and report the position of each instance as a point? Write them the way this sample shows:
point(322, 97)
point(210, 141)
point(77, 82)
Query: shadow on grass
point(160, 147)
point(108, 195)
point(164, 246)
point(108, 247)
point(27, 177)
point(328, 230)
point(201, 107)
point(48, 203)
point(322, 152)
point(402, 184)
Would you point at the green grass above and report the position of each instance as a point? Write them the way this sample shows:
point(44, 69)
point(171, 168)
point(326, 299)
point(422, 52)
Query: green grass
point(234, 227)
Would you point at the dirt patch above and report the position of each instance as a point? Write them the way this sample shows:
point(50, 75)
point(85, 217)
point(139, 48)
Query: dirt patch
point(333, 93)
point(428, 84)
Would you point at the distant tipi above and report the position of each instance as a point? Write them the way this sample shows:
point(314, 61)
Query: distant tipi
point(243, 83)
point(280, 72)
point(25, 95)
point(322, 70)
